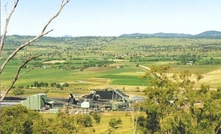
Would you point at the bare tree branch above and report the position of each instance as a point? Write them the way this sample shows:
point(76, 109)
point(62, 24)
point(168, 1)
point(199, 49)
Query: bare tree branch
point(16, 3)
point(25, 72)
point(34, 39)
point(6, 27)
point(18, 49)
point(17, 76)
point(43, 33)
point(59, 11)
point(153, 73)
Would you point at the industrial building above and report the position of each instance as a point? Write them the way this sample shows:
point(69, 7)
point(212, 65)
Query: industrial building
point(37, 102)
point(99, 100)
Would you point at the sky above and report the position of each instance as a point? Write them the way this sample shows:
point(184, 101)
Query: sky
point(113, 17)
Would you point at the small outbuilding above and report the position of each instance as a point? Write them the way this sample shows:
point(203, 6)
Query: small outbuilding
point(85, 105)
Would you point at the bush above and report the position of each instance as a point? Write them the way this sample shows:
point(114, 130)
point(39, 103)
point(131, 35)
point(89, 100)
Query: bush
point(84, 120)
point(65, 85)
point(46, 91)
point(18, 91)
point(61, 88)
point(20, 87)
point(137, 89)
point(96, 117)
point(87, 121)
point(114, 123)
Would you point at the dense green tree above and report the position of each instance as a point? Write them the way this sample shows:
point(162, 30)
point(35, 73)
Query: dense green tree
point(174, 105)
point(36, 84)
point(53, 84)
point(63, 123)
point(18, 119)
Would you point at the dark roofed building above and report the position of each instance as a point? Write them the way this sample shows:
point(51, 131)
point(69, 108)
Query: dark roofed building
point(104, 94)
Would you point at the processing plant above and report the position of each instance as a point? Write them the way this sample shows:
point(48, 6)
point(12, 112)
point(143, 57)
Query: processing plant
point(98, 100)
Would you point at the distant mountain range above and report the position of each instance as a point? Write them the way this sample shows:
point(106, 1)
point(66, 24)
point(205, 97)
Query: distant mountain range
point(66, 36)
point(206, 34)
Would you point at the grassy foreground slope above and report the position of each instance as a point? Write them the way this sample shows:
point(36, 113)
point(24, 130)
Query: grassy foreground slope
point(103, 127)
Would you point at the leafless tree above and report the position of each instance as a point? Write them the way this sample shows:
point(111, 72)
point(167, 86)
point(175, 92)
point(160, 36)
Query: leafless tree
point(41, 34)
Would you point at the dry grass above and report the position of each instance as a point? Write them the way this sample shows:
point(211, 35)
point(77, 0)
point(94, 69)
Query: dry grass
point(103, 126)
point(212, 78)
point(54, 61)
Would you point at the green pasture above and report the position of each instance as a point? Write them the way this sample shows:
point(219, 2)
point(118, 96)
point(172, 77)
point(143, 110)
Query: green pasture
point(81, 81)
point(127, 75)
point(116, 57)
point(57, 75)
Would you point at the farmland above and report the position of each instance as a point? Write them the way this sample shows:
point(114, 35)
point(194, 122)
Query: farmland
point(87, 63)
point(82, 64)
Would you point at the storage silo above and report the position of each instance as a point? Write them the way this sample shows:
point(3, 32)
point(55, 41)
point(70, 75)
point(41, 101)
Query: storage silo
point(35, 102)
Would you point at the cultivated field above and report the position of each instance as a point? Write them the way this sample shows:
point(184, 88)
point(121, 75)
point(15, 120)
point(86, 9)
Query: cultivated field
point(87, 63)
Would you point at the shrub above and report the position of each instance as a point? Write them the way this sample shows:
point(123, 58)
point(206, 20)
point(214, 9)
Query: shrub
point(18, 91)
point(87, 121)
point(84, 120)
point(114, 123)
point(96, 117)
